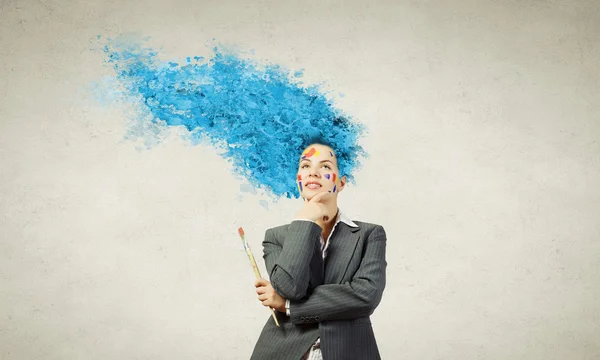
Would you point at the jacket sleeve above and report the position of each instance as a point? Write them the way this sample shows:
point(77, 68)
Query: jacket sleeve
point(355, 298)
point(291, 261)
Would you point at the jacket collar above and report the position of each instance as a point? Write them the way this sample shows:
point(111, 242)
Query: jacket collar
point(343, 218)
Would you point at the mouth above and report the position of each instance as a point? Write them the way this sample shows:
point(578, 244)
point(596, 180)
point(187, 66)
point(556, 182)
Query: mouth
point(312, 185)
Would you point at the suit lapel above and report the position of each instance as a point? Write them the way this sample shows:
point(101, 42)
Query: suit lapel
point(339, 252)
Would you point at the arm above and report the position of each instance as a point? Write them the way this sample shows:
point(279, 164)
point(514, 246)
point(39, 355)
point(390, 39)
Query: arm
point(356, 298)
point(289, 265)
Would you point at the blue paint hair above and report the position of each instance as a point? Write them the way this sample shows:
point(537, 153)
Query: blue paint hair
point(259, 118)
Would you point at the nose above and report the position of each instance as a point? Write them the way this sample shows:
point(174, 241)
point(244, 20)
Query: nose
point(313, 172)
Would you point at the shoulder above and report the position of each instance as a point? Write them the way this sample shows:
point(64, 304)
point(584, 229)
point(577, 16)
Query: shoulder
point(278, 229)
point(366, 225)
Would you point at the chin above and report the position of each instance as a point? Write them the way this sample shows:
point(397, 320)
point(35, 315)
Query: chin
point(312, 193)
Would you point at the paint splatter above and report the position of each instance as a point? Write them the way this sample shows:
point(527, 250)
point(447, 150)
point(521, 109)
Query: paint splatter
point(310, 153)
point(258, 117)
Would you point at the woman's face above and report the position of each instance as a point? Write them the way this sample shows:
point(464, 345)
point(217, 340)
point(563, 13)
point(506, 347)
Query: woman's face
point(318, 171)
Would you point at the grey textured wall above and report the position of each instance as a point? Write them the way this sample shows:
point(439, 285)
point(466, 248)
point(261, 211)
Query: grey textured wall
point(484, 170)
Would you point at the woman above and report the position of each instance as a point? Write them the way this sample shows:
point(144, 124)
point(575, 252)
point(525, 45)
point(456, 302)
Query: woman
point(327, 273)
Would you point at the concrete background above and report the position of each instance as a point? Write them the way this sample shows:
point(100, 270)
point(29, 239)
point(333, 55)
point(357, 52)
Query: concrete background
point(484, 171)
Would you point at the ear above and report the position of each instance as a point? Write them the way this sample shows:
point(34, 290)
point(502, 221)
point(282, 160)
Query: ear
point(342, 184)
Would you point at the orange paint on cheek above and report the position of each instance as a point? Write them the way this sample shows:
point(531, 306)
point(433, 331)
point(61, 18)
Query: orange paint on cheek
point(299, 179)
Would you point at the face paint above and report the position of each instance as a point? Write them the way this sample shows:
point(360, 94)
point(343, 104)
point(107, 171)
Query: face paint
point(327, 176)
point(330, 154)
point(299, 177)
point(334, 187)
point(333, 178)
point(310, 153)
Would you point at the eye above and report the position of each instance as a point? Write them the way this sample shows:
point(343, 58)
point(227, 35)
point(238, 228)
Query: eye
point(303, 166)
point(327, 166)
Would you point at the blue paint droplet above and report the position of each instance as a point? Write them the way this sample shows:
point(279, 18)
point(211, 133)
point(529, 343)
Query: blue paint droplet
point(247, 188)
point(254, 115)
point(264, 204)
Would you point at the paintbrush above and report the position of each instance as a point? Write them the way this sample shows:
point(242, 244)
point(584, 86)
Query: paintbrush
point(253, 263)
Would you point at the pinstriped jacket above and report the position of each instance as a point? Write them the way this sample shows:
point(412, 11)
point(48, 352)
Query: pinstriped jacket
point(332, 298)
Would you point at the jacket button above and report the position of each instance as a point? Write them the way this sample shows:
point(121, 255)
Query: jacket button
point(317, 318)
point(302, 319)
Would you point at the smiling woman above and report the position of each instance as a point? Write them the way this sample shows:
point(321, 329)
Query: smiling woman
point(320, 304)
point(318, 159)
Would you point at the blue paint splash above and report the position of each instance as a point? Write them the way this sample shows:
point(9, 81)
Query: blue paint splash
point(257, 116)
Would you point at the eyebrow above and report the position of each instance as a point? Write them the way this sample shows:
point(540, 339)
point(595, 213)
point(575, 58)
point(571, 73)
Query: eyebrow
point(322, 161)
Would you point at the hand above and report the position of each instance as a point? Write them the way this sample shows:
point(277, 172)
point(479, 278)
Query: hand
point(315, 209)
point(267, 295)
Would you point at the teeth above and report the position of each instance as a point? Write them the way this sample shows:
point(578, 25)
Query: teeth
point(313, 186)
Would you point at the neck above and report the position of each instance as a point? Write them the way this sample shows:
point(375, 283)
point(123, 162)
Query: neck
point(331, 213)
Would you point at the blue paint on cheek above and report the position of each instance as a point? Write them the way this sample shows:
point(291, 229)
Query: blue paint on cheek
point(255, 115)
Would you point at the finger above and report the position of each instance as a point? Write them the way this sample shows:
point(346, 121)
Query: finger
point(260, 282)
point(318, 197)
point(261, 290)
point(262, 297)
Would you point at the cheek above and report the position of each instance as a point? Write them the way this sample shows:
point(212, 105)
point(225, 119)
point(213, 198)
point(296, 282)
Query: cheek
point(331, 177)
